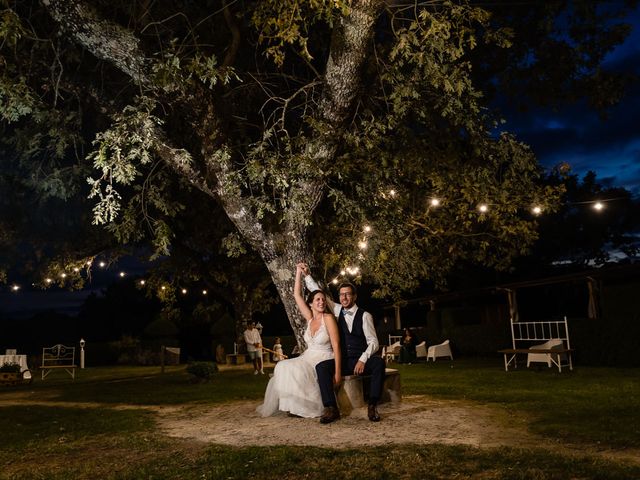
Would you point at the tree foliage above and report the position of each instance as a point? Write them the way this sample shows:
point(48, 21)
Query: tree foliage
point(304, 120)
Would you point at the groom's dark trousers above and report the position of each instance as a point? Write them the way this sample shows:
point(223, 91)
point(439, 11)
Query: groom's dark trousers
point(352, 344)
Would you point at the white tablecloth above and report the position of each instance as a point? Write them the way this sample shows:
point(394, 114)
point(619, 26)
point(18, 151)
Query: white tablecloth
point(19, 359)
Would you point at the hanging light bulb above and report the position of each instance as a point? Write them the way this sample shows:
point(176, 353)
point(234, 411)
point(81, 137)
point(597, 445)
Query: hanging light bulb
point(204, 292)
point(367, 229)
point(15, 287)
point(483, 208)
point(122, 274)
point(362, 245)
point(598, 206)
point(536, 210)
point(435, 202)
point(184, 291)
point(142, 282)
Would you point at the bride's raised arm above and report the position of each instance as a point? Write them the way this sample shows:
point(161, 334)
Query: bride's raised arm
point(297, 293)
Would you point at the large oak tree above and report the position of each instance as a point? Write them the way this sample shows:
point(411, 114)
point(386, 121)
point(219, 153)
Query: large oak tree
point(323, 129)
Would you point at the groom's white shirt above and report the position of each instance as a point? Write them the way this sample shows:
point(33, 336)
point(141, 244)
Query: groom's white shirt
point(367, 321)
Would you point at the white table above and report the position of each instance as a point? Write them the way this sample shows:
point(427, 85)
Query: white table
point(19, 359)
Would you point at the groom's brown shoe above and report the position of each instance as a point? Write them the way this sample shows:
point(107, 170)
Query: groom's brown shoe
point(373, 414)
point(329, 414)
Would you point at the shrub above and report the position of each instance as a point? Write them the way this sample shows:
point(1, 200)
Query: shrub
point(203, 371)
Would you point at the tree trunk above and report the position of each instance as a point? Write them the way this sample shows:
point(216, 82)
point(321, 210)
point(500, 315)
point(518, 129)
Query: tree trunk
point(282, 269)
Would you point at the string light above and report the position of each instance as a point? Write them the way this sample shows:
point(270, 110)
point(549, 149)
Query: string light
point(184, 291)
point(163, 287)
point(483, 208)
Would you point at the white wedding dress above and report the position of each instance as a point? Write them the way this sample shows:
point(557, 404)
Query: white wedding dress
point(294, 385)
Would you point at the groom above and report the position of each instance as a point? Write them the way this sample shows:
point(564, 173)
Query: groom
point(358, 343)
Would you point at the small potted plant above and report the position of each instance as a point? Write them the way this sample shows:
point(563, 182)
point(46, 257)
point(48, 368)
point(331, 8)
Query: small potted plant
point(10, 373)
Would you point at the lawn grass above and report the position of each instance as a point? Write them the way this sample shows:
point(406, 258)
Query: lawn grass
point(61, 439)
point(588, 404)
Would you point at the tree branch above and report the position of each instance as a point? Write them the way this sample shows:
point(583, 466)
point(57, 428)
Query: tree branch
point(107, 41)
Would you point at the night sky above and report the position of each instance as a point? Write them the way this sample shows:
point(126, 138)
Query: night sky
point(610, 147)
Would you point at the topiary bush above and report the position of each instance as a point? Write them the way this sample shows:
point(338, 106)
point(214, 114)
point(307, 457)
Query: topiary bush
point(202, 371)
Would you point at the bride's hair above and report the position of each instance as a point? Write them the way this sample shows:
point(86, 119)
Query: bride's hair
point(311, 295)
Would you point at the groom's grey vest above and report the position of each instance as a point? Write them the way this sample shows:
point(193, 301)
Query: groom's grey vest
point(354, 341)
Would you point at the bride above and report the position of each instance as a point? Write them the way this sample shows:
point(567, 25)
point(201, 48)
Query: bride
point(294, 385)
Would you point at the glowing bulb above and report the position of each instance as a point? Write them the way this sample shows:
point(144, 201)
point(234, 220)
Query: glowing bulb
point(184, 291)
point(435, 202)
point(392, 193)
point(536, 210)
point(63, 275)
point(598, 206)
point(334, 281)
point(122, 274)
point(48, 280)
point(76, 269)
point(142, 282)
point(89, 263)
point(204, 292)
point(163, 287)
point(343, 273)
point(367, 229)
point(102, 264)
point(362, 245)
point(15, 288)
point(483, 208)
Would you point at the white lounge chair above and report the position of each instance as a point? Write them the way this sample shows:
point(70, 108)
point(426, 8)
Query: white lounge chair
point(421, 351)
point(391, 352)
point(441, 350)
point(544, 357)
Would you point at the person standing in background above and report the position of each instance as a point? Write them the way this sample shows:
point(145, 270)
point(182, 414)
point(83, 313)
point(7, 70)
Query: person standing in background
point(254, 343)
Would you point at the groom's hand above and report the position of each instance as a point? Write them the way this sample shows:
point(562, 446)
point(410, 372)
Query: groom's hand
point(359, 368)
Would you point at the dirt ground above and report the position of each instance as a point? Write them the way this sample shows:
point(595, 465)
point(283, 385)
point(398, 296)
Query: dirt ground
point(416, 420)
